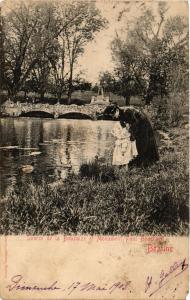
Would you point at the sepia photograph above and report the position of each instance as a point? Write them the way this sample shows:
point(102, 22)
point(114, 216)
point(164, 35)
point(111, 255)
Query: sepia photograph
point(94, 118)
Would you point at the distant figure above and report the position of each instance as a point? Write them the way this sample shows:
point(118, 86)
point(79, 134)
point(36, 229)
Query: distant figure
point(141, 131)
point(125, 150)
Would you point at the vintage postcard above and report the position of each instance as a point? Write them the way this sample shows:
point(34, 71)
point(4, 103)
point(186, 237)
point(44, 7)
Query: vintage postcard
point(94, 167)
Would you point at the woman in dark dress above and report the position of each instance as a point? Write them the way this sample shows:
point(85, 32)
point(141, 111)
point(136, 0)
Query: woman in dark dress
point(141, 131)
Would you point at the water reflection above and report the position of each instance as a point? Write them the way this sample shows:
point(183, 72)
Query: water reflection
point(54, 147)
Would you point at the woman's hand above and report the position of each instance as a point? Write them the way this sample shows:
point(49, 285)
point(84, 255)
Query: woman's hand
point(132, 139)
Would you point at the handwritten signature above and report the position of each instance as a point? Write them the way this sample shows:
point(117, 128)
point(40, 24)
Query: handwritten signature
point(175, 270)
point(18, 283)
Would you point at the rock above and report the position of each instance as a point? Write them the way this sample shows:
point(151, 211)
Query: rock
point(168, 148)
point(27, 168)
point(163, 135)
point(9, 147)
point(35, 153)
point(27, 148)
point(55, 184)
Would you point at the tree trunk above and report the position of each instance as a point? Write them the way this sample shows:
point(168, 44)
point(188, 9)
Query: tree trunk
point(70, 84)
point(150, 92)
point(25, 94)
point(12, 94)
point(59, 98)
point(148, 99)
point(42, 92)
point(69, 92)
point(127, 100)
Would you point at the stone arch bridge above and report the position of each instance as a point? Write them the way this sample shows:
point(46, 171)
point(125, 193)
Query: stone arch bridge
point(88, 111)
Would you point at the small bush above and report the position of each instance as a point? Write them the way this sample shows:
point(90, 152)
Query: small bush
point(168, 111)
point(97, 171)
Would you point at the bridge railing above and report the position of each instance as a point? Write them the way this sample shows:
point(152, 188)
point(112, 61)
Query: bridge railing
point(56, 110)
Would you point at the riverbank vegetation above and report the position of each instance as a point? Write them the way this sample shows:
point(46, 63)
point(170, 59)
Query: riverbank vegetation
point(106, 200)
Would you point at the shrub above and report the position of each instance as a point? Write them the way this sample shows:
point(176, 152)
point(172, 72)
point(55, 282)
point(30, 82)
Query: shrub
point(97, 171)
point(168, 111)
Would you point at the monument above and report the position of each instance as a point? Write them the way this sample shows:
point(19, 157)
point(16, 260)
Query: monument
point(100, 98)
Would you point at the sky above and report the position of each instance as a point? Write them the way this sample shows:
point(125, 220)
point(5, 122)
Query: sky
point(97, 56)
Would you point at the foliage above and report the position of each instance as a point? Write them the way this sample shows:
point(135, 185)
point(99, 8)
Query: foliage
point(87, 23)
point(42, 43)
point(30, 36)
point(170, 111)
point(155, 46)
point(81, 84)
point(98, 172)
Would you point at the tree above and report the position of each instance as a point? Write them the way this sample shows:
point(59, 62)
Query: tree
point(19, 27)
point(154, 44)
point(81, 84)
point(107, 81)
point(95, 88)
point(45, 43)
point(122, 82)
point(110, 83)
point(31, 38)
point(58, 74)
point(87, 23)
point(22, 31)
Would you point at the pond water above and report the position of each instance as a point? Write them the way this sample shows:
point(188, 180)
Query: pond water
point(53, 147)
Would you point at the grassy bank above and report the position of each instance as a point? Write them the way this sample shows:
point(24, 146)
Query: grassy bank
point(105, 200)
